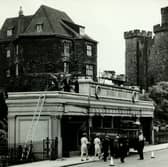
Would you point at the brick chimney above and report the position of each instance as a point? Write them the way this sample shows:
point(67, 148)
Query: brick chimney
point(20, 11)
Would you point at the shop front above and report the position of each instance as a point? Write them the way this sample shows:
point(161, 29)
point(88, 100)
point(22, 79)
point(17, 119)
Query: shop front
point(66, 116)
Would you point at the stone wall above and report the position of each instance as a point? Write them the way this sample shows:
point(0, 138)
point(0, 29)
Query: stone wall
point(137, 52)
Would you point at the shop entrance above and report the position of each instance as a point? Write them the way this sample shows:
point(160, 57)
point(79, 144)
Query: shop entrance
point(72, 129)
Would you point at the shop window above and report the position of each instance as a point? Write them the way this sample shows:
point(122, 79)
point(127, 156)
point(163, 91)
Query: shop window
point(8, 53)
point(107, 122)
point(96, 122)
point(89, 70)
point(89, 50)
point(116, 123)
point(39, 27)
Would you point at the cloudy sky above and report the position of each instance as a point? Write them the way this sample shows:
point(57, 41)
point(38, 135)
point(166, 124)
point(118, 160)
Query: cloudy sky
point(105, 21)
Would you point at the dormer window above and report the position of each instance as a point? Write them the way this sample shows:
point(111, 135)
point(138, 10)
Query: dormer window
point(9, 32)
point(89, 50)
point(81, 30)
point(39, 27)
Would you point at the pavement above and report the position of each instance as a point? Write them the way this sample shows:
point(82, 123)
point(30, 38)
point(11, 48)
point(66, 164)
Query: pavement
point(72, 161)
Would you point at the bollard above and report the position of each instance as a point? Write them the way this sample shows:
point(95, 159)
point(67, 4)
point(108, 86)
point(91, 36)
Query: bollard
point(112, 161)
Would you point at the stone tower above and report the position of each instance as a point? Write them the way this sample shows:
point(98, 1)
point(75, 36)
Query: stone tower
point(158, 60)
point(136, 55)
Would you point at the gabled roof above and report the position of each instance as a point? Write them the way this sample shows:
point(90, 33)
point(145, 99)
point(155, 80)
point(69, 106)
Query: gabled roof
point(53, 22)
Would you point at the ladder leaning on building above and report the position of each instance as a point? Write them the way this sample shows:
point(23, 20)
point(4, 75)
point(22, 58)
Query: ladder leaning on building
point(27, 148)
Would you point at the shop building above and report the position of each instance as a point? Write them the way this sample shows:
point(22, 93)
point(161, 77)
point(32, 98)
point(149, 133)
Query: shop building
point(66, 115)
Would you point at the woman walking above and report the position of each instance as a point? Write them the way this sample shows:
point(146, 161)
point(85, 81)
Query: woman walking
point(84, 149)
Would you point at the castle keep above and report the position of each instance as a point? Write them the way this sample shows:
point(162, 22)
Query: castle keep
point(146, 56)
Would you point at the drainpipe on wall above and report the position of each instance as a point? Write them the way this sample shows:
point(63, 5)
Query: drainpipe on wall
point(89, 111)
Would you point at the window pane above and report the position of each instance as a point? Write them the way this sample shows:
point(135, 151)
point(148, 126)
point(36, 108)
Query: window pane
point(81, 31)
point(39, 28)
point(17, 49)
point(8, 73)
point(66, 49)
point(8, 53)
point(89, 50)
point(66, 67)
point(96, 122)
point(89, 70)
point(9, 32)
point(107, 122)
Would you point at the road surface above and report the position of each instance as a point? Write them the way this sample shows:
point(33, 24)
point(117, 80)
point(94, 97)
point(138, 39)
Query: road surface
point(160, 160)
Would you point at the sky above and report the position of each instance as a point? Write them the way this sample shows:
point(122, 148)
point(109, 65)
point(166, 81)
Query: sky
point(104, 20)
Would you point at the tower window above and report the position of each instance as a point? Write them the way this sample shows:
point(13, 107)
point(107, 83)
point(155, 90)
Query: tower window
point(39, 27)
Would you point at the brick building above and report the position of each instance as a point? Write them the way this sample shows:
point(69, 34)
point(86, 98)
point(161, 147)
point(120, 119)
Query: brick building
point(146, 56)
point(46, 42)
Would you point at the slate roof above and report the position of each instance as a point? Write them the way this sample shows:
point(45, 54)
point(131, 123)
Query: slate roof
point(14, 23)
point(55, 22)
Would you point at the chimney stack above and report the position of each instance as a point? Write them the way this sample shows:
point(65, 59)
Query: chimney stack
point(20, 11)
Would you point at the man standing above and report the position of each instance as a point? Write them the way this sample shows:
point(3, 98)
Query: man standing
point(140, 144)
point(105, 145)
point(123, 147)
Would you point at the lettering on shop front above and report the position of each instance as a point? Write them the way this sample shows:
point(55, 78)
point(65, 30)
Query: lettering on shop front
point(116, 112)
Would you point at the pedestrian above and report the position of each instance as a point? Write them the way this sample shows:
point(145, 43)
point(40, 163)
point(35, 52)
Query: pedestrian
point(105, 145)
point(97, 147)
point(112, 151)
point(140, 145)
point(84, 149)
point(123, 148)
point(116, 146)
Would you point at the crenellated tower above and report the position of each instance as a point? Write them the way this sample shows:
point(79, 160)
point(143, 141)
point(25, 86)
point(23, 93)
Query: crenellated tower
point(136, 55)
point(158, 70)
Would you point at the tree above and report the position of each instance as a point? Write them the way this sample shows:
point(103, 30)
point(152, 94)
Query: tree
point(159, 94)
point(3, 124)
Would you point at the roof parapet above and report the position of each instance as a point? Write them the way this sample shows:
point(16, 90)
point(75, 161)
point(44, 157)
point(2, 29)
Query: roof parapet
point(160, 28)
point(137, 33)
point(164, 10)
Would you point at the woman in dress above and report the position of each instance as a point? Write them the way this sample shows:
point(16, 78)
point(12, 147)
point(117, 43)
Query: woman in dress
point(84, 149)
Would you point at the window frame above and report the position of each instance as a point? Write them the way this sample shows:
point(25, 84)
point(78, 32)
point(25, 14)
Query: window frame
point(89, 50)
point(66, 67)
point(8, 53)
point(39, 27)
point(9, 32)
point(66, 47)
point(89, 70)
point(8, 73)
